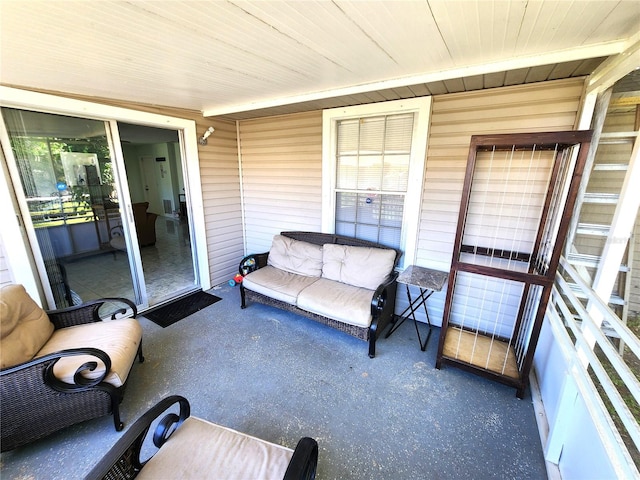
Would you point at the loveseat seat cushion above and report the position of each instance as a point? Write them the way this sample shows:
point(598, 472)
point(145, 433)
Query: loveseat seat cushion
point(202, 450)
point(295, 256)
point(358, 266)
point(117, 338)
point(24, 326)
point(339, 301)
point(279, 284)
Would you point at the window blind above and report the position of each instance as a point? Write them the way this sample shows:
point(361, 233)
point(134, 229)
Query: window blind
point(372, 171)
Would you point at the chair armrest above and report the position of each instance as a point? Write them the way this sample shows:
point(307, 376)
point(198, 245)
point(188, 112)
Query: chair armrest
point(34, 367)
point(89, 312)
point(252, 262)
point(123, 461)
point(116, 231)
point(304, 461)
point(384, 294)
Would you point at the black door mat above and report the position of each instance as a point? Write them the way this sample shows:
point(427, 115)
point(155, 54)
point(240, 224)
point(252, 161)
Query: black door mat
point(172, 312)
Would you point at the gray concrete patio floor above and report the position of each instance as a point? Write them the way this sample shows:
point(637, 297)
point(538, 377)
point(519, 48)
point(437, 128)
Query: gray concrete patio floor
point(279, 377)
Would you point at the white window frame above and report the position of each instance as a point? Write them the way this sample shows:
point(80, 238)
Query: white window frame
point(421, 107)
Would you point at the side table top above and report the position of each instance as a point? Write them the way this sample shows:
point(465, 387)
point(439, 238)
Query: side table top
point(423, 277)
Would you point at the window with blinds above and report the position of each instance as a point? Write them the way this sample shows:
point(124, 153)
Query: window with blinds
point(372, 171)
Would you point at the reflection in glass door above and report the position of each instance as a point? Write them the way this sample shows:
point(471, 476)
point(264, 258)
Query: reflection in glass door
point(155, 180)
point(87, 248)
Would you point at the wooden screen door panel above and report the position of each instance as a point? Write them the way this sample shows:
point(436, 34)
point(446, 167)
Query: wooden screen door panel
point(518, 198)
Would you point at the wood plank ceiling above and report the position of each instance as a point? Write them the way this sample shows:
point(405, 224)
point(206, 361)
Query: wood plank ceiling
point(242, 59)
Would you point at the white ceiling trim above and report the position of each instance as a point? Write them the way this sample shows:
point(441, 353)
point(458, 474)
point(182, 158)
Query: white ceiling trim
point(615, 68)
point(591, 51)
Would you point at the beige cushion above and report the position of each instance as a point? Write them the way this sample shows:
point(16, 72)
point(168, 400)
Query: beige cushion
point(117, 338)
point(342, 302)
point(358, 266)
point(24, 326)
point(202, 450)
point(295, 256)
point(278, 284)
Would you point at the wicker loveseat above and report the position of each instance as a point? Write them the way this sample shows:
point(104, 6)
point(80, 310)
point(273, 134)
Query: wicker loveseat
point(192, 448)
point(61, 367)
point(346, 283)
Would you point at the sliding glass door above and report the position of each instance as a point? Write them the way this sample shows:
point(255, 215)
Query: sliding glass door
point(95, 230)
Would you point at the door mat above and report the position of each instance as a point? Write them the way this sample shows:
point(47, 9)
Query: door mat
point(172, 312)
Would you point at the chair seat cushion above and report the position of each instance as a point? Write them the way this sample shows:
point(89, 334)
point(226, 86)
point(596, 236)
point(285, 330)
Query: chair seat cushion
point(278, 284)
point(202, 450)
point(342, 302)
point(117, 338)
point(24, 326)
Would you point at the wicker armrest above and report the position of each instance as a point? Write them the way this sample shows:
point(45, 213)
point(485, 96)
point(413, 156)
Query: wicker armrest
point(35, 403)
point(89, 312)
point(304, 461)
point(253, 262)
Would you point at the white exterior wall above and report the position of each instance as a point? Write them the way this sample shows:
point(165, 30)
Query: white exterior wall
point(583, 454)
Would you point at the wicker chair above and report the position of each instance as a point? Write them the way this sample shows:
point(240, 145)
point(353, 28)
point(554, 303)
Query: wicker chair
point(145, 223)
point(193, 448)
point(62, 367)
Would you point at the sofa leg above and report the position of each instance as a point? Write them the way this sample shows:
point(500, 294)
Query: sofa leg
point(373, 329)
point(116, 417)
point(140, 356)
point(242, 298)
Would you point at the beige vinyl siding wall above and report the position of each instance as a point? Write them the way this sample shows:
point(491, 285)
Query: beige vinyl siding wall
point(281, 162)
point(221, 197)
point(547, 106)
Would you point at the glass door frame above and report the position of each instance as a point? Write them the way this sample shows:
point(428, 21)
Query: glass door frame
point(28, 261)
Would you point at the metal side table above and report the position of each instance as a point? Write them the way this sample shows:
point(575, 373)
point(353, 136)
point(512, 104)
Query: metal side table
point(428, 281)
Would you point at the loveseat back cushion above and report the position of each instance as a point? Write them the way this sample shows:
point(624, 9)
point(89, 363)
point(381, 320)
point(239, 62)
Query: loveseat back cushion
point(295, 256)
point(203, 450)
point(117, 338)
point(24, 326)
point(365, 267)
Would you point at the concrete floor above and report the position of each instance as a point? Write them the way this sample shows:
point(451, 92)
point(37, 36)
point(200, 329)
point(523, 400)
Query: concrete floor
point(280, 377)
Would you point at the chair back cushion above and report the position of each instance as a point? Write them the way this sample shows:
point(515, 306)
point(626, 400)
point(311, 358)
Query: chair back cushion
point(295, 256)
point(24, 326)
point(365, 267)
